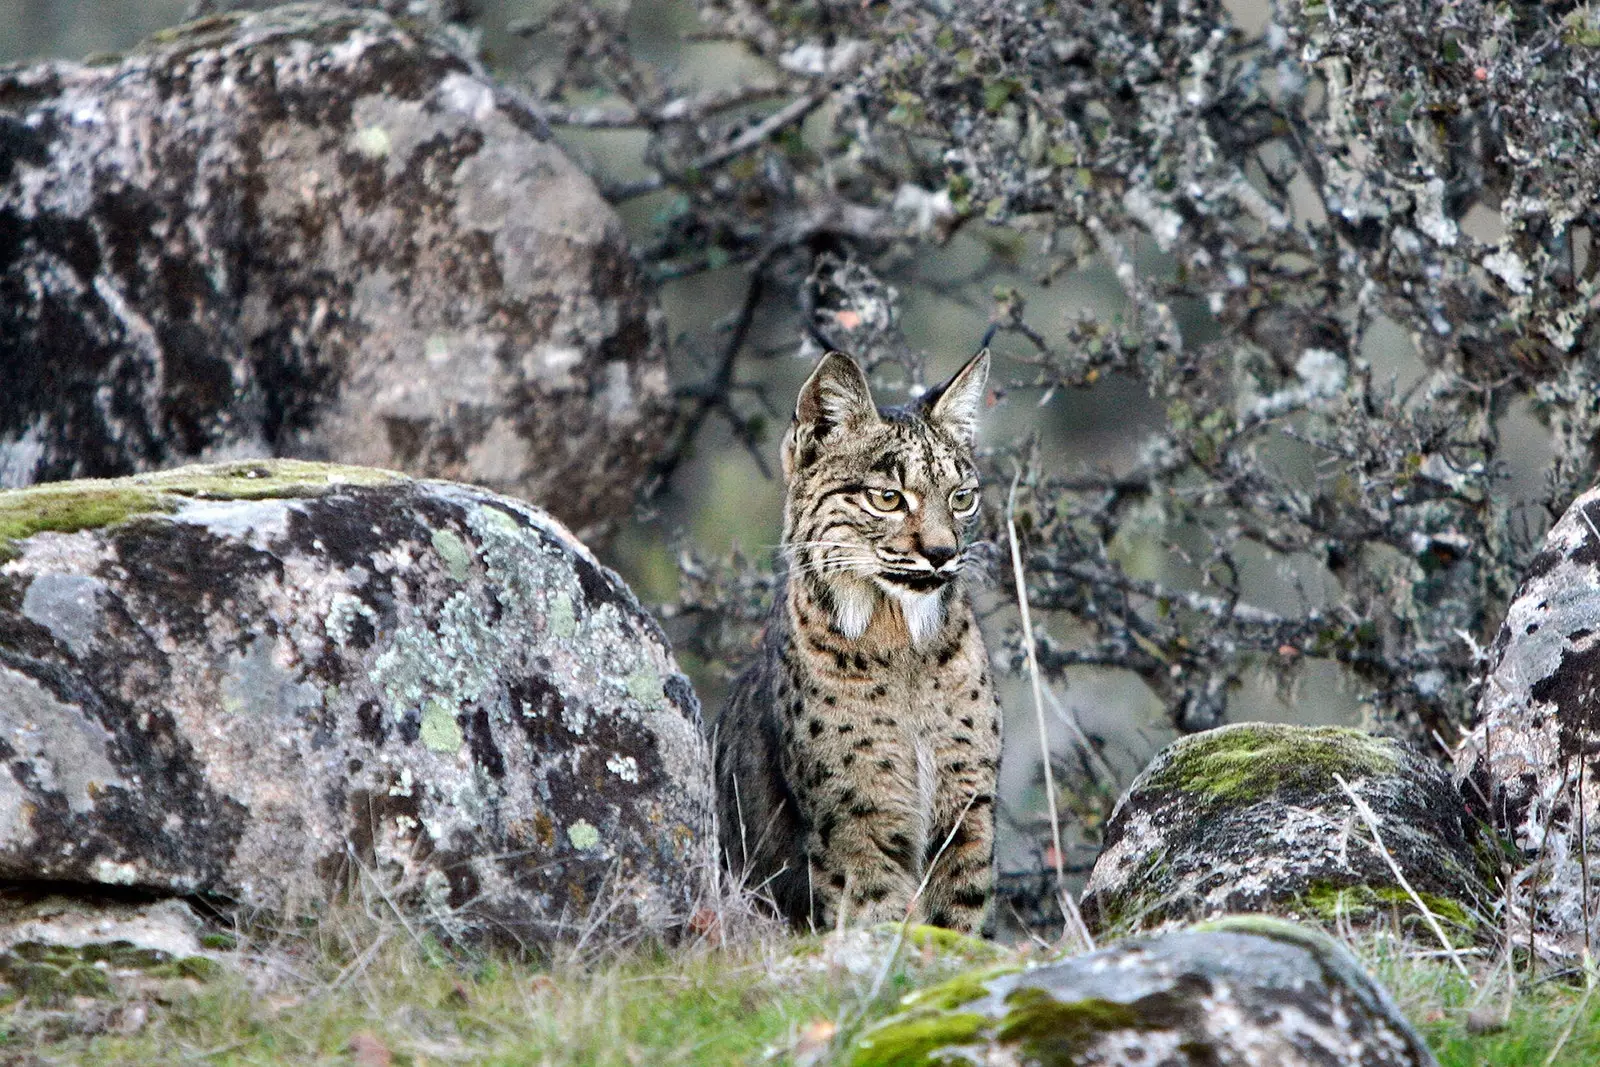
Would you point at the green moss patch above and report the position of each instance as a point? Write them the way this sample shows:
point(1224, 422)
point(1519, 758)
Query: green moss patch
point(51, 975)
point(949, 943)
point(1051, 1031)
point(1244, 763)
point(257, 479)
point(911, 1041)
point(958, 991)
point(1327, 902)
point(1293, 933)
point(72, 506)
point(1044, 1029)
point(92, 503)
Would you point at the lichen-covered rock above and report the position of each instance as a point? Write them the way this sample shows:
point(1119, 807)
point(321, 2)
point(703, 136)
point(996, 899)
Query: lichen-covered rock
point(256, 680)
point(314, 232)
point(1251, 817)
point(1241, 992)
point(1538, 731)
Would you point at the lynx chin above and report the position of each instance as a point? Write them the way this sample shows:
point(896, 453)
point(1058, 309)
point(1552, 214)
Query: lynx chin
point(856, 757)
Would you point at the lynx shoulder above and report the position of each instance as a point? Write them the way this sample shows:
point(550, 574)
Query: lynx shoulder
point(856, 757)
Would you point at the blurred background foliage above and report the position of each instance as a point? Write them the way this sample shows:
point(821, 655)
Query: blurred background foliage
point(1294, 307)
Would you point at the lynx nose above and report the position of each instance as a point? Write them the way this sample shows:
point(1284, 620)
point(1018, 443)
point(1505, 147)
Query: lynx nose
point(938, 555)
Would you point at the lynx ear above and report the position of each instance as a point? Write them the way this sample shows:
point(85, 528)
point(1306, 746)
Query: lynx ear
point(836, 394)
point(957, 403)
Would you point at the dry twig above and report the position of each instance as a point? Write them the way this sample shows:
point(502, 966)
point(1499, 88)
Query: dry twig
point(1069, 906)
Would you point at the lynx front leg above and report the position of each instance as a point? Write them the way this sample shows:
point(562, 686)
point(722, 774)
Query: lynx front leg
point(867, 842)
point(961, 852)
point(961, 881)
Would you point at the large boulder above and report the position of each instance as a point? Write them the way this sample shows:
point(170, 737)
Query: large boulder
point(1531, 758)
point(260, 681)
point(314, 232)
point(1252, 818)
point(1242, 992)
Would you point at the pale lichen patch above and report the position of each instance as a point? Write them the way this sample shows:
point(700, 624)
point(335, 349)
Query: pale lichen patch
point(624, 767)
point(371, 141)
point(68, 605)
point(644, 685)
point(110, 872)
point(455, 553)
point(343, 611)
point(583, 835)
point(60, 747)
point(563, 619)
point(440, 731)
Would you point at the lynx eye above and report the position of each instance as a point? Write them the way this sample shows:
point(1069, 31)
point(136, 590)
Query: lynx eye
point(885, 499)
point(963, 500)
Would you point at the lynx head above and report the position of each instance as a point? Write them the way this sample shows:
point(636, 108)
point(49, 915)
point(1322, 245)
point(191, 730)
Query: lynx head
point(881, 501)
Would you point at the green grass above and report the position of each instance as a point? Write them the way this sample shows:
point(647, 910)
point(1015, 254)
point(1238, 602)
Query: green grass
point(356, 984)
point(1439, 1002)
point(712, 1007)
point(316, 997)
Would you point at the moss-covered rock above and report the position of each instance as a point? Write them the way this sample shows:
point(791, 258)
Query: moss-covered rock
point(54, 949)
point(1251, 817)
point(258, 680)
point(1533, 754)
point(1227, 768)
point(318, 232)
point(1251, 991)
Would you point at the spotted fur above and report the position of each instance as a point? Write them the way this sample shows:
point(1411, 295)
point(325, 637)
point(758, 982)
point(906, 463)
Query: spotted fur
point(856, 758)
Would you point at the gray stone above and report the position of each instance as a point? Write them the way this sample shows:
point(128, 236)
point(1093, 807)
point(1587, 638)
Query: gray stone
point(1535, 740)
point(1251, 817)
point(1241, 992)
point(263, 680)
point(314, 232)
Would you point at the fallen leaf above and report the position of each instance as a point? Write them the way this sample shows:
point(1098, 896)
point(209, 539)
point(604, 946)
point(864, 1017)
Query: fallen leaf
point(705, 922)
point(815, 1036)
point(368, 1050)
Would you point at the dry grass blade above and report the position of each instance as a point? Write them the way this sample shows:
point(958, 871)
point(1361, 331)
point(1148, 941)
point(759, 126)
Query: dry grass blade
point(1577, 1011)
point(1370, 817)
point(1069, 907)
